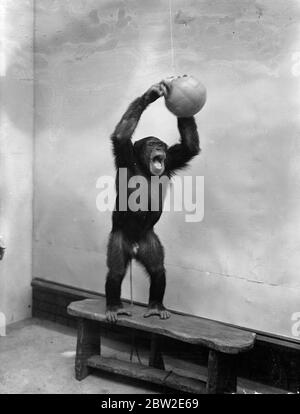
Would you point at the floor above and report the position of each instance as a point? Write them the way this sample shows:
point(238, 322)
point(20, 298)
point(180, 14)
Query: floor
point(37, 356)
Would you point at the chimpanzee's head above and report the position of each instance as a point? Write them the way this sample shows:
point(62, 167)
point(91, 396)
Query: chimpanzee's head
point(151, 152)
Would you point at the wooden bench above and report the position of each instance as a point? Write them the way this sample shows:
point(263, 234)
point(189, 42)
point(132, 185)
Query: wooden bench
point(224, 343)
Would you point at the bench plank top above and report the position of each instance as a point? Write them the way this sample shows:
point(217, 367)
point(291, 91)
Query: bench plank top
point(194, 330)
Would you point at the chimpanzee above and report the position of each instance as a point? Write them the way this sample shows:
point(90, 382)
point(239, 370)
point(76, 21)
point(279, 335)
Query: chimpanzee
point(132, 234)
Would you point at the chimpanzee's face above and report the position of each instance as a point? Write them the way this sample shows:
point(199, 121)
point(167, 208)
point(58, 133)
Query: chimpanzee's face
point(151, 152)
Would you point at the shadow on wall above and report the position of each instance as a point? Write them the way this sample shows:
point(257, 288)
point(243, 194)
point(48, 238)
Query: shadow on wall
point(16, 153)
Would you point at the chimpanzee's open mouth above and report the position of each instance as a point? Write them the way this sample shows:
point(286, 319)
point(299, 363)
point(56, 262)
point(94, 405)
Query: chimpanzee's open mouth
point(157, 164)
point(157, 161)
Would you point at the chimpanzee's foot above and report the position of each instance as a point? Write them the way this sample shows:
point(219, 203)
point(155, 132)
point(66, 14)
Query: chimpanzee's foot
point(112, 313)
point(158, 310)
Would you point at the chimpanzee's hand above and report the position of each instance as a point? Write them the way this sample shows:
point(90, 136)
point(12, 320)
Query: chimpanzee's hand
point(154, 92)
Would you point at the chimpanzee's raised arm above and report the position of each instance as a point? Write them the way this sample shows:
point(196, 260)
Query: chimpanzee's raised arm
point(179, 155)
point(121, 137)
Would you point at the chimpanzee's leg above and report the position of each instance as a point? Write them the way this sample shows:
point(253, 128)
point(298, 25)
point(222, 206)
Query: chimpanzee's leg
point(151, 255)
point(117, 262)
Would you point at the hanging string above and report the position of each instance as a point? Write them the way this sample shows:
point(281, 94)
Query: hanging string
point(133, 341)
point(131, 294)
point(131, 302)
point(171, 37)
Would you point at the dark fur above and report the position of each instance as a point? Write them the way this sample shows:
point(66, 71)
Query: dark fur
point(130, 228)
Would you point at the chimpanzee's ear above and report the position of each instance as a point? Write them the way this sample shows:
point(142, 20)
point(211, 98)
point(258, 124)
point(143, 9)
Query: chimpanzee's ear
point(139, 150)
point(138, 146)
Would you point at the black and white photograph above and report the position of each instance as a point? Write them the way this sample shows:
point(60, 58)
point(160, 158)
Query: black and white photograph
point(149, 199)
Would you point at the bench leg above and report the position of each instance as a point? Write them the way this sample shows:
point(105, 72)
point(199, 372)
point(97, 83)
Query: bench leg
point(221, 373)
point(156, 358)
point(88, 344)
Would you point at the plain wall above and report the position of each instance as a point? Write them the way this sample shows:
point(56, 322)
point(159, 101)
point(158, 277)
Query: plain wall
point(241, 263)
point(16, 157)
